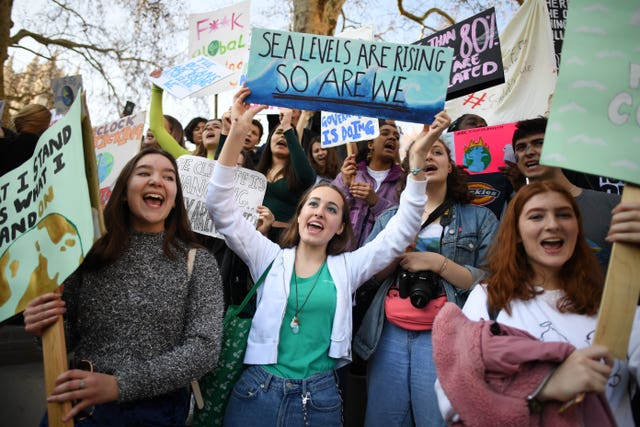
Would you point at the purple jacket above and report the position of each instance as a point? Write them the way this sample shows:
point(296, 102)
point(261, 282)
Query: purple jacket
point(362, 215)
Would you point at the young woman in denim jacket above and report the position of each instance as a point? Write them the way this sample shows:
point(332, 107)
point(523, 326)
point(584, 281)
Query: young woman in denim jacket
point(395, 335)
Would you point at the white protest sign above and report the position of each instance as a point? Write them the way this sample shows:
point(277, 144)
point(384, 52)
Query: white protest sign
point(222, 35)
point(338, 129)
point(116, 143)
point(190, 78)
point(195, 172)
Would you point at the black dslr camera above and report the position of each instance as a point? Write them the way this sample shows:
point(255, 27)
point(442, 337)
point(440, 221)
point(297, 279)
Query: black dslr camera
point(421, 286)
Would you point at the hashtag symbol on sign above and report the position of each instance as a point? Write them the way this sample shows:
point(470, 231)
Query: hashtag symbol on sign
point(474, 100)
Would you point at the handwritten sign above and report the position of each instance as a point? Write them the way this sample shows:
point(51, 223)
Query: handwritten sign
point(65, 91)
point(338, 129)
point(195, 172)
point(115, 144)
point(313, 72)
point(190, 78)
point(481, 150)
point(222, 35)
point(477, 60)
point(46, 226)
point(594, 124)
point(529, 70)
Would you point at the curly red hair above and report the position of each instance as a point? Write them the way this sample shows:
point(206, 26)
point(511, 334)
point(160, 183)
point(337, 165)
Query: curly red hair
point(511, 275)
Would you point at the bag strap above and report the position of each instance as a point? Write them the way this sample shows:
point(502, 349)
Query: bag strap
point(191, 257)
point(253, 290)
point(195, 386)
point(439, 211)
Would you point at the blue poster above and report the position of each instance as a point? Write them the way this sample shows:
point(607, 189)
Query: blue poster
point(321, 73)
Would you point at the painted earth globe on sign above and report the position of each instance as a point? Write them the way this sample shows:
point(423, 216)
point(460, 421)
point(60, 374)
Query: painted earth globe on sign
point(105, 165)
point(67, 96)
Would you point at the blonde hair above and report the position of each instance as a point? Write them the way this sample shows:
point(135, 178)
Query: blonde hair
point(34, 118)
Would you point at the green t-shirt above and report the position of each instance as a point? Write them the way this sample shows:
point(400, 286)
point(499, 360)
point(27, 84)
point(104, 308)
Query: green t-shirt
point(306, 353)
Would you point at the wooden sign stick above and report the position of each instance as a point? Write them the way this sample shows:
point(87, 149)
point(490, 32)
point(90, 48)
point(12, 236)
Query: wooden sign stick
point(621, 291)
point(54, 353)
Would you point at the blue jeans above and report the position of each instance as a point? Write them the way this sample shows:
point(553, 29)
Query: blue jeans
point(263, 399)
point(401, 377)
point(167, 410)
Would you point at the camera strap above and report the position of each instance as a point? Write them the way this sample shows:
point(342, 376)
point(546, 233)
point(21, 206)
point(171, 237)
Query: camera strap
point(442, 209)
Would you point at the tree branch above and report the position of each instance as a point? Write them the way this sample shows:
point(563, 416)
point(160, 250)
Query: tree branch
point(420, 19)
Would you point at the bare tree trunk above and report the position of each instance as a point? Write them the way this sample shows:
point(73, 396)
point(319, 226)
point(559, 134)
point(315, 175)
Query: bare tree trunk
point(5, 28)
point(316, 16)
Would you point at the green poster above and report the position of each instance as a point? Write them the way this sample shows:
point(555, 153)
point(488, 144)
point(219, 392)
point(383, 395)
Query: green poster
point(594, 124)
point(46, 226)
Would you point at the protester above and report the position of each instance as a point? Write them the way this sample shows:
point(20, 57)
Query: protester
point(323, 160)
point(288, 173)
point(301, 332)
point(138, 324)
point(544, 280)
point(250, 154)
point(193, 133)
point(595, 206)
point(442, 265)
point(372, 186)
point(15, 149)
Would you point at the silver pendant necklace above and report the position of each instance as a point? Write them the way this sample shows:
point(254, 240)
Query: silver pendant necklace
point(295, 322)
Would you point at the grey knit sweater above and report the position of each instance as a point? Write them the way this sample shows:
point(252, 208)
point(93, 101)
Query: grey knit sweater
point(139, 320)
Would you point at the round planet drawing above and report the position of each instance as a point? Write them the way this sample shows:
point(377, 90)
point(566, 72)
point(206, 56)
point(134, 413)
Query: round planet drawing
point(105, 165)
point(67, 96)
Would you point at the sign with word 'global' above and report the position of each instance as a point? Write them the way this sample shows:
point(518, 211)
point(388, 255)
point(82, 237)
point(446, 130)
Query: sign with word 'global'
point(382, 80)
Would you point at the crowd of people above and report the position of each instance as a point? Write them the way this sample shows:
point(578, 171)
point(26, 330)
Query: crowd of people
point(448, 282)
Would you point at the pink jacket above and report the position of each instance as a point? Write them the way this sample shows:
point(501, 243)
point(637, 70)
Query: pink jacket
point(488, 370)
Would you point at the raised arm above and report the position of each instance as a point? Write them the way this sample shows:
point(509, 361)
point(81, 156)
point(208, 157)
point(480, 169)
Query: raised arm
point(156, 124)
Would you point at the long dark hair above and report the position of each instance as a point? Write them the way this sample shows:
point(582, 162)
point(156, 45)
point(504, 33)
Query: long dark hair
point(457, 186)
point(339, 242)
point(191, 126)
point(331, 168)
point(266, 162)
point(117, 217)
point(511, 274)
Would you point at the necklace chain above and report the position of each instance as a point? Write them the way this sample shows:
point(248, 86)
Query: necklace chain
point(295, 322)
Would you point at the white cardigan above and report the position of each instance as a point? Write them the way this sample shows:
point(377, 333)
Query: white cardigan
point(348, 270)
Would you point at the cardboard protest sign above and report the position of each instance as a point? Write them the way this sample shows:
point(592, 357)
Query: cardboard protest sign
point(594, 127)
point(338, 129)
point(223, 35)
point(65, 91)
point(558, 20)
point(482, 150)
point(115, 144)
point(313, 72)
point(46, 224)
point(195, 172)
point(190, 78)
point(529, 70)
point(594, 124)
point(477, 60)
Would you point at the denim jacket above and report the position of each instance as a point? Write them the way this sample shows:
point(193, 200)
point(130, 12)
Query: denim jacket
point(465, 241)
